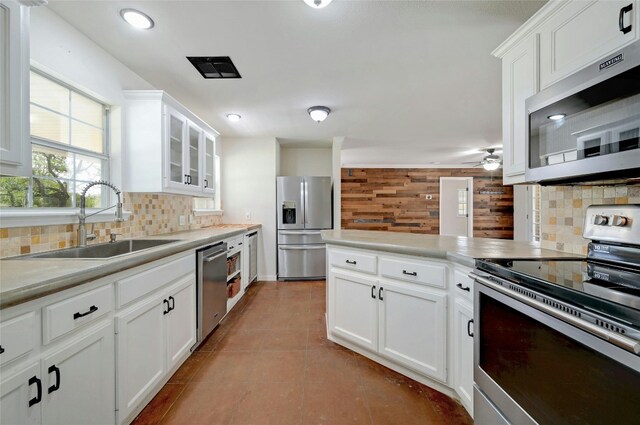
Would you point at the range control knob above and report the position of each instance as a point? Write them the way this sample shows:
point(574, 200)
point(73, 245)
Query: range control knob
point(600, 220)
point(619, 221)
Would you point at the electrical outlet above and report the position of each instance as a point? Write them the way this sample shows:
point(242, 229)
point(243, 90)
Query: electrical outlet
point(247, 216)
point(182, 220)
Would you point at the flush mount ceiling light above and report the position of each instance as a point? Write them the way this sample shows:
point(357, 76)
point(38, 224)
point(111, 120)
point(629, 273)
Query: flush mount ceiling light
point(234, 117)
point(556, 117)
point(317, 4)
point(318, 113)
point(137, 19)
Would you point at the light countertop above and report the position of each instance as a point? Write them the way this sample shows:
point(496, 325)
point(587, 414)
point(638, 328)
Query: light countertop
point(23, 280)
point(460, 249)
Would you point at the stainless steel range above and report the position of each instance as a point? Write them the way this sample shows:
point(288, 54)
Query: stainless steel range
point(558, 341)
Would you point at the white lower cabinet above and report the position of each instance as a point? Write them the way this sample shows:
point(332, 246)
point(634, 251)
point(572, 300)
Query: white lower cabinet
point(181, 320)
point(140, 343)
point(404, 322)
point(153, 336)
point(21, 396)
point(412, 327)
point(463, 352)
point(73, 384)
point(78, 382)
point(352, 309)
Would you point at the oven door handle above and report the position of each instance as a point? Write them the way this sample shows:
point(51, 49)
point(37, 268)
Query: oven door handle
point(621, 341)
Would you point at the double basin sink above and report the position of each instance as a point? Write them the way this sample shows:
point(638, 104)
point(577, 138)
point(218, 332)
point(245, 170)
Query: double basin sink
point(101, 251)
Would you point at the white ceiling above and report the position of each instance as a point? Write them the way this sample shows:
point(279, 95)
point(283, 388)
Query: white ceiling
point(408, 82)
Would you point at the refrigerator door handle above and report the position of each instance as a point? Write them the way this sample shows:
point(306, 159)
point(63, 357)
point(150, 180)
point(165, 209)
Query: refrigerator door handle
point(299, 232)
point(306, 202)
point(301, 248)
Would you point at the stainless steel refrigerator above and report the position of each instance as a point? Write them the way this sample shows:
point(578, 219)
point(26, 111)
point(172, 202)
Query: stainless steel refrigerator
point(304, 209)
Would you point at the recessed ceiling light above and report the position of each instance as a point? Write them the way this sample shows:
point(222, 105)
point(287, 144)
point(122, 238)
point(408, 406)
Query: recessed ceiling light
point(137, 19)
point(317, 4)
point(233, 117)
point(556, 117)
point(318, 113)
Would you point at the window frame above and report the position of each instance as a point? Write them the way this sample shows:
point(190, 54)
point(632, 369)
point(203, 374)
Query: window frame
point(43, 216)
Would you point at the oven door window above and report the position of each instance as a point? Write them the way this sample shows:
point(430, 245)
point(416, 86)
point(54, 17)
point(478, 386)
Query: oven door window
point(555, 379)
point(603, 119)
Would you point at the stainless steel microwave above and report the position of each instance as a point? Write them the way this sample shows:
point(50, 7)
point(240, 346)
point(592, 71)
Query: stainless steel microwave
point(586, 127)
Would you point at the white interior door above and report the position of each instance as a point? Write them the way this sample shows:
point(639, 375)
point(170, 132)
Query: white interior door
point(456, 206)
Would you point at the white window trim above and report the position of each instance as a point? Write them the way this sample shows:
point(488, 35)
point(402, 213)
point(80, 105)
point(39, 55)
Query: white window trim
point(204, 211)
point(30, 217)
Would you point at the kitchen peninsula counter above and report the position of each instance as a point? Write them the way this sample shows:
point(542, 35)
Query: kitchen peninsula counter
point(460, 249)
point(24, 279)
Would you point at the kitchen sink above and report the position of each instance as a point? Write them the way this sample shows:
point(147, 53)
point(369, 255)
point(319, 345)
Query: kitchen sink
point(105, 250)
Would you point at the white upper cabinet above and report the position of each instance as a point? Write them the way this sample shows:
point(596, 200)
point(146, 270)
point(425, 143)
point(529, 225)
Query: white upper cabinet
point(168, 148)
point(519, 81)
point(560, 39)
point(582, 32)
point(15, 148)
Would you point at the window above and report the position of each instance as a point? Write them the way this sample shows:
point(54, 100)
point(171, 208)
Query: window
point(69, 149)
point(463, 202)
point(534, 199)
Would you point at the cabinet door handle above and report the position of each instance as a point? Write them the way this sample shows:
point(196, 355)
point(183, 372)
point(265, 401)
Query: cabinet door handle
point(38, 398)
point(623, 11)
point(409, 273)
point(168, 308)
point(186, 179)
point(56, 386)
point(469, 331)
point(353, 263)
point(380, 294)
point(464, 288)
point(1, 349)
point(373, 292)
point(173, 303)
point(206, 183)
point(78, 315)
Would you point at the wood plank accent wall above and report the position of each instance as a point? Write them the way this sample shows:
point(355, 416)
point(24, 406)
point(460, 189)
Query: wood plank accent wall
point(394, 199)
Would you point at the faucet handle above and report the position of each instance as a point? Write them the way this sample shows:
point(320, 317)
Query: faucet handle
point(113, 236)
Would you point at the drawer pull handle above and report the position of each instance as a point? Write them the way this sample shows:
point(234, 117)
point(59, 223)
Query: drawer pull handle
point(623, 11)
point(173, 303)
point(380, 294)
point(38, 398)
point(78, 315)
point(56, 386)
point(464, 288)
point(1, 349)
point(353, 263)
point(373, 292)
point(168, 307)
point(409, 273)
point(469, 331)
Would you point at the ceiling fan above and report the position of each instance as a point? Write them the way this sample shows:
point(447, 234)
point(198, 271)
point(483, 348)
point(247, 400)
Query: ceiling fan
point(490, 162)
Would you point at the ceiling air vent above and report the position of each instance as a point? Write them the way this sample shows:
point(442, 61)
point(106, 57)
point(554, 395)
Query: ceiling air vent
point(215, 66)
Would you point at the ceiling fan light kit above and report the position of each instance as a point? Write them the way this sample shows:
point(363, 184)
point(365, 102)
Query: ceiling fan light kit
point(319, 113)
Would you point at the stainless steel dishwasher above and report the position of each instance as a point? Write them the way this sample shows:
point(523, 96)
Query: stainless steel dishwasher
point(212, 288)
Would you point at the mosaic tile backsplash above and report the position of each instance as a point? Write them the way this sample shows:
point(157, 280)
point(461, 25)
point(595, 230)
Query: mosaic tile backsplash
point(563, 210)
point(151, 214)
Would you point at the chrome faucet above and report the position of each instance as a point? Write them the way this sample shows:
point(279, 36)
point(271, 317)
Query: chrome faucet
point(82, 216)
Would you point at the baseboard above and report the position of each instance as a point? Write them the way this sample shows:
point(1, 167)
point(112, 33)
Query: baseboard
point(268, 278)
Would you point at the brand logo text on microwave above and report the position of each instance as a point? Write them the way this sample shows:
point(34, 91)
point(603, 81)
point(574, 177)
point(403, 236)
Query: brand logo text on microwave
point(610, 62)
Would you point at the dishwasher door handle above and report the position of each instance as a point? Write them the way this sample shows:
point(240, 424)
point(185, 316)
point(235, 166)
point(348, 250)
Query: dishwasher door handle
point(213, 257)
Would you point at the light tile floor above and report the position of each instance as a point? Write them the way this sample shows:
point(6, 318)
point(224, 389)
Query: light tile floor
point(270, 363)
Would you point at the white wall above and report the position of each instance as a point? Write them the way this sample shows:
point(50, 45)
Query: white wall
point(336, 165)
point(249, 185)
point(305, 161)
point(63, 52)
